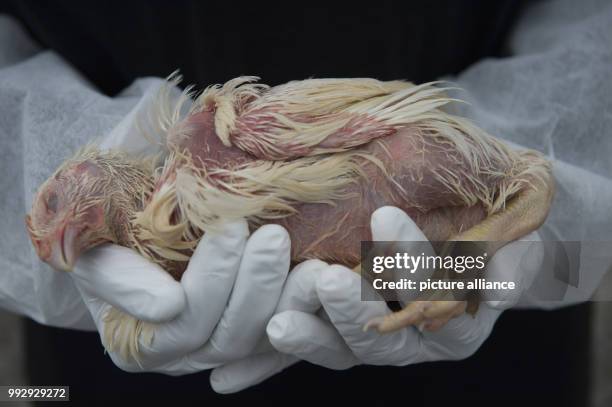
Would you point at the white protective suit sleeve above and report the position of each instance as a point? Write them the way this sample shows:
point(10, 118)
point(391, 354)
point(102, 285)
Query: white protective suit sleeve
point(553, 94)
point(48, 111)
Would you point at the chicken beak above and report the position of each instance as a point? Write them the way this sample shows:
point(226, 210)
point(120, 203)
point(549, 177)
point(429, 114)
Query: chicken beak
point(64, 249)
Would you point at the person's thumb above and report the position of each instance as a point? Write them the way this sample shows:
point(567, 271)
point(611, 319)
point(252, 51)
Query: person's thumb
point(309, 337)
point(129, 282)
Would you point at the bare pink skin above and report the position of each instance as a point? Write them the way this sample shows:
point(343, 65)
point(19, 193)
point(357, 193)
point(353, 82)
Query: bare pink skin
point(334, 233)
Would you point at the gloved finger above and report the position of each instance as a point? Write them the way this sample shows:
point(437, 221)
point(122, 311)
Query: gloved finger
point(97, 308)
point(459, 338)
point(298, 300)
point(253, 300)
point(207, 282)
point(121, 277)
point(339, 290)
point(310, 338)
point(239, 375)
point(298, 294)
point(517, 262)
point(389, 224)
point(300, 291)
point(211, 276)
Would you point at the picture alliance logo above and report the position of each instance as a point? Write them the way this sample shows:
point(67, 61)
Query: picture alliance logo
point(412, 264)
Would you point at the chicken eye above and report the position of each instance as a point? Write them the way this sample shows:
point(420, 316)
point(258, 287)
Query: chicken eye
point(52, 202)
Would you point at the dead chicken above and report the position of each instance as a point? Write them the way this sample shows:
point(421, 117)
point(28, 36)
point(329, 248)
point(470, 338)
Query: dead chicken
point(317, 156)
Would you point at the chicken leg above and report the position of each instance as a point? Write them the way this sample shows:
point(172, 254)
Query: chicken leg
point(523, 214)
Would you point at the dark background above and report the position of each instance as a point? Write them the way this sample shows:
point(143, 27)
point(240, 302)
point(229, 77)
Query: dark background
point(531, 357)
point(113, 42)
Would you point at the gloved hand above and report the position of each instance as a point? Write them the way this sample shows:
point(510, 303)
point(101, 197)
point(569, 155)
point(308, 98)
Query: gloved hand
point(219, 309)
point(215, 314)
point(320, 317)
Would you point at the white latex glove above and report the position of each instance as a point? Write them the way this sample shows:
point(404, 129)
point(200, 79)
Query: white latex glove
point(215, 314)
point(320, 317)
